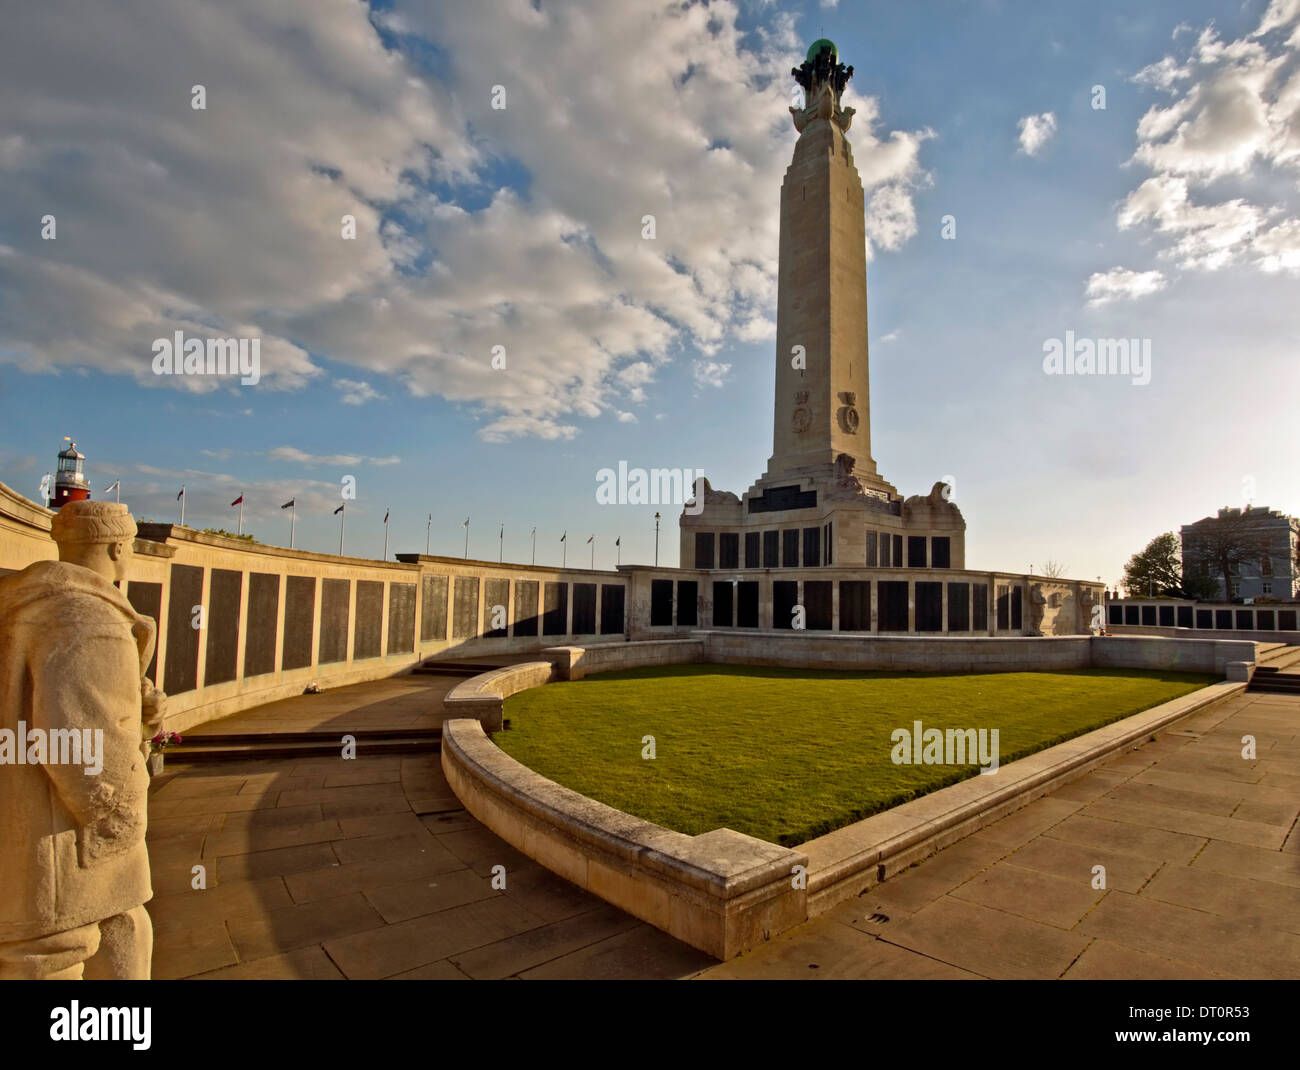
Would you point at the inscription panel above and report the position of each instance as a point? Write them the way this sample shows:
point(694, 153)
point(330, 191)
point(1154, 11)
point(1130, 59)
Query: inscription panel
point(401, 618)
point(723, 608)
point(299, 615)
point(855, 605)
point(464, 614)
point(260, 630)
point(181, 670)
point(584, 609)
point(612, 600)
point(747, 604)
point(370, 619)
point(555, 616)
point(433, 611)
point(224, 597)
point(688, 603)
point(526, 619)
point(817, 595)
point(146, 599)
point(335, 602)
point(496, 606)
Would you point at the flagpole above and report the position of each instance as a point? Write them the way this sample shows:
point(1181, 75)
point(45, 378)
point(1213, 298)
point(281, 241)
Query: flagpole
point(534, 546)
point(564, 542)
point(241, 512)
point(501, 545)
point(593, 552)
point(467, 538)
point(428, 529)
point(618, 550)
point(385, 535)
point(182, 505)
point(293, 520)
point(343, 515)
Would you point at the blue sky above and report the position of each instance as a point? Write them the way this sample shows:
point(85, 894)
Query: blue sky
point(522, 227)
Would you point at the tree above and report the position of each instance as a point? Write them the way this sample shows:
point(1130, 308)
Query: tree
point(1218, 546)
point(1053, 570)
point(227, 534)
point(1156, 570)
point(1199, 584)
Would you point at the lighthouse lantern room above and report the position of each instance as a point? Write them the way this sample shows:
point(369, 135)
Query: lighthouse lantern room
point(70, 484)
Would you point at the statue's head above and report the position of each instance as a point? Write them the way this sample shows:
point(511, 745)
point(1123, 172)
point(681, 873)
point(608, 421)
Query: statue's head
point(95, 535)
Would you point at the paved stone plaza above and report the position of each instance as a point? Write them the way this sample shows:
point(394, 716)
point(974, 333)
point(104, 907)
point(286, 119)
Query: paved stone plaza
point(372, 869)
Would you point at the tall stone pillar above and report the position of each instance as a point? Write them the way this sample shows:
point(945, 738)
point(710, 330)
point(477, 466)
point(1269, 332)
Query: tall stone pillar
point(822, 403)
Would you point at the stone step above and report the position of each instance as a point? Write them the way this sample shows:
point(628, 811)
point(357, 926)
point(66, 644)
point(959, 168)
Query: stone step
point(1281, 657)
point(451, 668)
point(1277, 683)
point(330, 736)
point(275, 747)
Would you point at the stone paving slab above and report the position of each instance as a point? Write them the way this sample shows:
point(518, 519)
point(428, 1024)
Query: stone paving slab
point(1202, 874)
point(323, 868)
point(326, 868)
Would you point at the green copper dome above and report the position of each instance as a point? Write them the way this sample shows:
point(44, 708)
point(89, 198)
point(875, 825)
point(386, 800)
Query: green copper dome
point(821, 43)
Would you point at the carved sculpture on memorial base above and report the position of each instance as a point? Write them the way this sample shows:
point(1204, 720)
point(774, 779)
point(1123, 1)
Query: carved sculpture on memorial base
point(75, 707)
point(1037, 602)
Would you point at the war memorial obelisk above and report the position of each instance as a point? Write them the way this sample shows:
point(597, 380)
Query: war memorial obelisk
point(821, 488)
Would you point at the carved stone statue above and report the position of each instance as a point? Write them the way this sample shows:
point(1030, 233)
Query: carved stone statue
point(844, 477)
point(74, 868)
point(1037, 603)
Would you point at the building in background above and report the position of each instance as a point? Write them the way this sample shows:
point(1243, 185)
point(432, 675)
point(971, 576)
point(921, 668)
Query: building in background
point(1255, 547)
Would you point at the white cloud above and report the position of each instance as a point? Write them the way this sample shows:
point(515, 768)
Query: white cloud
point(1036, 131)
point(708, 373)
point(892, 336)
point(1280, 13)
point(356, 392)
point(891, 217)
point(1120, 283)
point(209, 220)
point(297, 456)
point(1234, 115)
point(1279, 247)
point(627, 418)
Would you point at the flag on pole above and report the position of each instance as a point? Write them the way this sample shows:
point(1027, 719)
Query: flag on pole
point(590, 537)
point(339, 509)
point(237, 501)
point(465, 523)
point(118, 483)
point(564, 536)
point(618, 541)
point(181, 493)
point(289, 503)
point(386, 512)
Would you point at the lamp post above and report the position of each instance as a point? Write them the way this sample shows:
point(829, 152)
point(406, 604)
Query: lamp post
point(656, 540)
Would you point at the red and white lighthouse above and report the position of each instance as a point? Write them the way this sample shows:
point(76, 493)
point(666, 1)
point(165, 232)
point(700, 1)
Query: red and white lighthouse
point(70, 484)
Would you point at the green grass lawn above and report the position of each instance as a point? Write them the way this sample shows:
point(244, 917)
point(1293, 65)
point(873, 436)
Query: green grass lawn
point(789, 754)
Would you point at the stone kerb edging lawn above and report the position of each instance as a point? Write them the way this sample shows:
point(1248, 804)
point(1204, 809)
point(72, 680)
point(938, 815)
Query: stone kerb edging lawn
point(483, 697)
point(722, 892)
point(575, 662)
point(844, 863)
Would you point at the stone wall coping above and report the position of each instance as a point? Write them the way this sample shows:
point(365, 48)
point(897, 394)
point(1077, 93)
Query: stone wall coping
point(507, 566)
point(499, 683)
point(723, 863)
point(172, 534)
point(884, 637)
point(23, 509)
